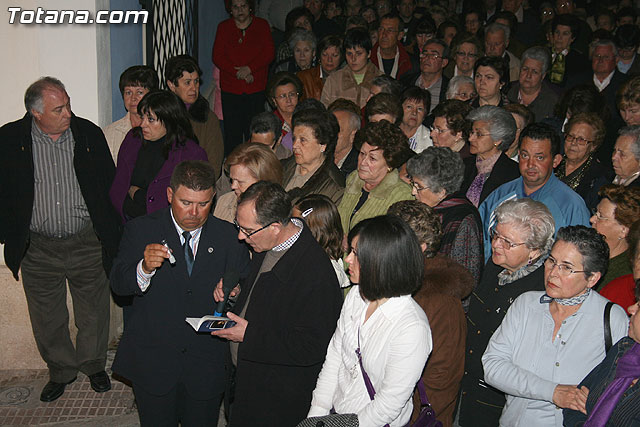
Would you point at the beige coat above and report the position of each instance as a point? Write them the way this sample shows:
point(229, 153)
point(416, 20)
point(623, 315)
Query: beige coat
point(342, 84)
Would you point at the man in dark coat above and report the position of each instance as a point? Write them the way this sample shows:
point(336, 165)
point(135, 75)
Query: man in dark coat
point(177, 374)
point(58, 225)
point(286, 312)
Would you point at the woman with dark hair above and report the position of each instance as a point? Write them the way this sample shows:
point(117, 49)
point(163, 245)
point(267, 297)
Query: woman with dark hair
point(549, 340)
point(330, 58)
point(628, 101)
point(298, 17)
point(523, 117)
point(622, 290)
point(491, 75)
point(242, 50)
point(416, 103)
point(150, 152)
point(466, 50)
point(447, 31)
point(579, 99)
point(382, 333)
point(451, 127)
point(489, 167)
point(375, 185)
point(311, 169)
point(284, 89)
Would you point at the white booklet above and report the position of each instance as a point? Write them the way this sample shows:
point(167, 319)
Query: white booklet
point(209, 323)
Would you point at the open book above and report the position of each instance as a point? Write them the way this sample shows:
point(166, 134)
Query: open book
point(209, 323)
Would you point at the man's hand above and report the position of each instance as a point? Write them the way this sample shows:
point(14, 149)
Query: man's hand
point(218, 293)
point(236, 333)
point(154, 256)
point(571, 397)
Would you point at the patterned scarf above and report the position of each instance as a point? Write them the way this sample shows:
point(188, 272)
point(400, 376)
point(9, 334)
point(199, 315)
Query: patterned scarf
point(504, 278)
point(577, 300)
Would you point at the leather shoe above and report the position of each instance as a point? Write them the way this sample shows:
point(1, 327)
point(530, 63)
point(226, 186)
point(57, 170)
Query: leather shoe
point(100, 382)
point(53, 390)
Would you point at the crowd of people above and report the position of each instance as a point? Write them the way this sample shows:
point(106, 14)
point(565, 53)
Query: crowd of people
point(413, 204)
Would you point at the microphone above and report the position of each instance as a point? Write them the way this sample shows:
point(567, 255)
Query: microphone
point(229, 281)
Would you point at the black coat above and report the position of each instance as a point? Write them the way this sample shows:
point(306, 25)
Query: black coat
point(158, 347)
point(503, 171)
point(94, 170)
point(292, 315)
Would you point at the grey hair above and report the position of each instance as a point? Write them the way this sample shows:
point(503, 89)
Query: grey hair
point(33, 94)
point(438, 168)
point(302, 35)
point(532, 217)
point(634, 132)
point(538, 53)
point(603, 42)
point(502, 125)
point(455, 83)
point(495, 27)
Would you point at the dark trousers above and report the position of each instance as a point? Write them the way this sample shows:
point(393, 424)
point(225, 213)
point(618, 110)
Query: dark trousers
point(238, 110)
point(176, 406)
point(47, 265)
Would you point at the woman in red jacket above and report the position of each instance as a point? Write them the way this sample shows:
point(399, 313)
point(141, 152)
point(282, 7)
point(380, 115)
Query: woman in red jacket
point(243, 50)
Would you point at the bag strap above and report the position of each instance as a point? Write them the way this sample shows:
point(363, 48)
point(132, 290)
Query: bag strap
point(607, 327)
point(367, 380)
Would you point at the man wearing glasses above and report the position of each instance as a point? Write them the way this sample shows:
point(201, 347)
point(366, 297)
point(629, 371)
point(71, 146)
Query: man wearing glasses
point(433, 60)
point(286, 312)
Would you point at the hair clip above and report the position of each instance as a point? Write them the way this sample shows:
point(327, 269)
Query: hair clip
point(307, 212)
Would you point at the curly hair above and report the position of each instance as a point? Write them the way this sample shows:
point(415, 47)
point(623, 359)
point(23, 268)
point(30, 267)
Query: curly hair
point(532, 217)
point(438, 168)
point(323, 220)
point(324, 125)
point(455, 112)
point(629, 93)
point(387, 137)
point(593, 120)
point(423, 220)
point(627, 201)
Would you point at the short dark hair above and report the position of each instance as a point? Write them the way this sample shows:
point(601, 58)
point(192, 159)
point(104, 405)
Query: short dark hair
point(446, 52)
point(627, 11)
point(176, 65)
point(391, 262)
point(196, 175)
point(447, 24)
point(271, 203)
point(388, 138)
point(324, 125)
point(293, 15)
point(498, 63)
point(591, 245)
point(357, 37)
point(323, 220)
point(523, 111)
point(627, 35)
point(283, 78)
point(394, 15)
point(415, 93)
point(423, 220)
point(384, 103)
point(251, 3)
point(33, 94)
point(568, 21)
point(266, 122)
point(510, 17)
point(326, 42)
point(583, 98)
point(388, 84)
point(539, 132)
point(455, 112)
point(426, 25)
point(139, 75)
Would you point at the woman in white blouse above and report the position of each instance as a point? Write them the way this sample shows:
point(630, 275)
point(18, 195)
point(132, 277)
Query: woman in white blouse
point(379, 317)
point(549, 341)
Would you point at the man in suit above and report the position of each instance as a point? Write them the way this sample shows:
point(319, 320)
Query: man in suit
point(286, 312)
point(58, 225)
point(177, 374)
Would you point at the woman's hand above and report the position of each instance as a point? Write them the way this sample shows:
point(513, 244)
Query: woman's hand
point(243, 72)
point(132, 191)
point(571, 397)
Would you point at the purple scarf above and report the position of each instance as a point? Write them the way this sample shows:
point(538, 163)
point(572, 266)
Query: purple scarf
point(628, 370)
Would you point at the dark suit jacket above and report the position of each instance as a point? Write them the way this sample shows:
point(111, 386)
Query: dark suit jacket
point(577, 69)
point(410, 80)
point(609, 92)
point(541, 107)
point(94, 170)
point(158, 347)
point(292, 315)
point(504, 170)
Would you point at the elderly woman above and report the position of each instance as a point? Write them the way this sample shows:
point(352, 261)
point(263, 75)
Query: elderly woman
point(488, 167)
point(330, 49)
point(462, 88)
point(626, 157)
point(444, 286)
point(150, 152)
point(415, 104)
point(451, 127)
point(298, 17)
point(491, 75)
point(579, 168)
point(247, 164)
point(352, 82)
point(375, 185)
point(284, 90)
point(549, 340)
point(618, 209)
point(520, 242)
point(523, 117)
point(135, 82)
point(466, 50)
point(610, 395)
point(243, 50)
point(628, 101)
point(311, 169)
point(303, 45)
point(436, 175)
point(378, 325)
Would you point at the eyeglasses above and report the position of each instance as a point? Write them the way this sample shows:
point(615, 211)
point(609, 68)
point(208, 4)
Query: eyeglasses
point(290, 95)
point(438, 130)
point(416, 186)
point(596, 213)
point(465, 94)
point(602, 57)
point(495, 236)
point(430, 55)
point(478, 134)
point(563, 269)
point(578, 140)
point(246, 232)
point(467, 54)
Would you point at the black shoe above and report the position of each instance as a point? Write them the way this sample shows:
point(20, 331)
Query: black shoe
point(100, 382)
point(53, 390)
